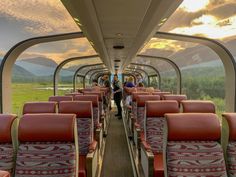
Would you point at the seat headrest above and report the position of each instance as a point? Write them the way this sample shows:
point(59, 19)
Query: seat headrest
point(93, 98)
point(60, 98)
point(46, 128)
point(160, 108)
point(198, 106)
point(5, 127)
point(82, 109)
point(231, 119)
point(193, 127)
point(135, 94)
point(39, 107)
point(142, 99)
point(99, 94)
point(178, 98)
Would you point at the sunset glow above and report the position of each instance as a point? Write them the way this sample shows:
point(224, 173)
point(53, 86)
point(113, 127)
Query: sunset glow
point(193, 5)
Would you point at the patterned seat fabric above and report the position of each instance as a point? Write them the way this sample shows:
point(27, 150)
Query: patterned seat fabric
point(48, 150)
point(141, 101)
point(6, 146)
point(84, 118)
point(231, 147)
point(195, 159)
point(140, 116)
point(6, 157)
point(50, 159)
point(154, 133)
point(85, 134)
point(192, 147)
point(231, 154)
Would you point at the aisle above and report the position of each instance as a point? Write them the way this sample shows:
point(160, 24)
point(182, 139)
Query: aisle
point(116, 162)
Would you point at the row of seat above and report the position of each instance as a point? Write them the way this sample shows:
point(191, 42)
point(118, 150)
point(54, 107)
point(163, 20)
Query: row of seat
point(88, 129)
point(181, 144)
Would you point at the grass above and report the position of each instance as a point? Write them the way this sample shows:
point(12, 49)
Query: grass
point(26, 92)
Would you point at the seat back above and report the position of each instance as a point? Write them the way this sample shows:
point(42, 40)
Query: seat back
point(84, 117)
point(60, 98)
point(198, 106)
point(39, 107)
point(100, 99)
point(47, 146)
point(154, 122)
point(95, 103)
point(6, 143)
point(229, 133)
point(141, 100)
point(134, 104)
point(192, 147)
point(178, 98)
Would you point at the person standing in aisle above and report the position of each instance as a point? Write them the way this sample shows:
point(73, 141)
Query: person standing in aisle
point(117, 91)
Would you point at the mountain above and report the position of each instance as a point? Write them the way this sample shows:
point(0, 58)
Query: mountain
point(41, 66)
point(41, 61)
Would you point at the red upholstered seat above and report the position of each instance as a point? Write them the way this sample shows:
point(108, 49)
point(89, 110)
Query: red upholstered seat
point(44, 139)
point(193, 147)
point(198, 106)
point(95, 103)
point(39, 107)
point(4, 174)
point(84, 117)
point(100, 99)
point(153, 131)
point(141, 101)
point(6, 147)
point(134, 104)
point(231, 147)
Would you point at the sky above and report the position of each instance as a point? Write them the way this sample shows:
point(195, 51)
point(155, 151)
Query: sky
point(22, 19)
point(214, 19)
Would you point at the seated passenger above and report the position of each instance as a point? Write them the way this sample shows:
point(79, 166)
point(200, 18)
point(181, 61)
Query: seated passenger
point(130, 82)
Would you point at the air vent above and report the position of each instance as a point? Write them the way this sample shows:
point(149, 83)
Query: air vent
point(116, 66)
point(118, 47)
point(116, 60)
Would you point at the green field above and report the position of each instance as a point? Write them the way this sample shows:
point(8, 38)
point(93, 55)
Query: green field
point(25, 92)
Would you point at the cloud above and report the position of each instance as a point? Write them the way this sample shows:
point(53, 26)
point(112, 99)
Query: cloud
point(59, 51)
point(38, 16)
point(216, 19)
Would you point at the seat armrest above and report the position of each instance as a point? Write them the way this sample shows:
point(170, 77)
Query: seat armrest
point(146, 146)
point(93, 146)
point(147, 159)
point(99, 135)
point(92, 160)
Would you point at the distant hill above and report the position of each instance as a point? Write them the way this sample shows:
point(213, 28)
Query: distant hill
point(41, 66)
point(41, 61)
